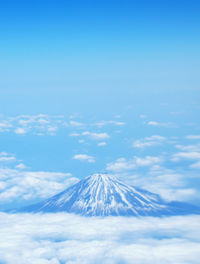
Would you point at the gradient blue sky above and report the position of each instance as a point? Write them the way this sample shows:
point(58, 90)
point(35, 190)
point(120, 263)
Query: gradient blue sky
point(131, 65)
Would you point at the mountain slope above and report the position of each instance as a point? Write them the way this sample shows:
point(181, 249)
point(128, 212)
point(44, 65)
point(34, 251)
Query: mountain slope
point(103, 195)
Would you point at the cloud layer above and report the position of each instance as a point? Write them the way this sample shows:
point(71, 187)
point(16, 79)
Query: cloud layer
point(121, 164)
point(84, 157)
point(149, 141)
point(21, 187)
point(64, 238)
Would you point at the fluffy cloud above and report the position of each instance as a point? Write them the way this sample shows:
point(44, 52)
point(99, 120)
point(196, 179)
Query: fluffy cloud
point(93, 136)
point(96, 136)
point(169, 184)
point(191, 148)
point(18, 186)
point(189, 153)
point(195, 165)
point(142, 116)
point(155, 123)
point(52, 128)
point(150, 173)
point(65, 238)
point(102, 144)
point(111, 122)
point(20, 166)
point(6, 157)
point(122, 164)
point(76, 124)
point(193, 137)
point(84, 157)
point(5, 125)
point(37, 124)
point(20, 131)
point(42, 125)
point(3, 159)
point(74, 134)
point(193, 155)
point(149, 141)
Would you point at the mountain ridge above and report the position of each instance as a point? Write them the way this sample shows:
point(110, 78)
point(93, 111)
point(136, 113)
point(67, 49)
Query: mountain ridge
point(104, 195)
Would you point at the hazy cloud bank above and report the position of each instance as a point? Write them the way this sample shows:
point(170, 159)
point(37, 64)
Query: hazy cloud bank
point(19, 187)
point(64, 238)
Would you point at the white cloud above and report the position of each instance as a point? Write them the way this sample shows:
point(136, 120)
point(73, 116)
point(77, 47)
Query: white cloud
point(149, 141)
point(84, 157)
point(20, 166)
point(193, 155)
point(155, 137)
point(143, 116)
point(37, 124)
point(117, 123)
point(193, 137)
point(75, 124)
point(71, 239)
point(111, 122)
point(182, 194)
point(42, 125)
point(102, 144)
point(51, 130)
point(155, 123)
point(27, 121)
point(20, 130)
point(96, 136)
point(122, 164)
point(190, 153)
point(168, 183)
point(2, 159)
point(20, 186)
point(195, 165)
point(74, 134)
point(32, 120)
point(190, 148)
point(4, 153)
point(147, 161)
point(5, 126)
point(43, 121)
point(6, 157)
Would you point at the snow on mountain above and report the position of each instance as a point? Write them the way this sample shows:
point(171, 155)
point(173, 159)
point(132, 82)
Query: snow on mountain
point(103, 195)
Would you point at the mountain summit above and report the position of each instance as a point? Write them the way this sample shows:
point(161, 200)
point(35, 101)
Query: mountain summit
point(103, 195)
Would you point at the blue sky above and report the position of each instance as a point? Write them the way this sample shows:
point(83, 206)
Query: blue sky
point(89, 86)
point(92, 86)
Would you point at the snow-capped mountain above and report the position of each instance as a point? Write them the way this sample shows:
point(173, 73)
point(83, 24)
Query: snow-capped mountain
point(103, 195)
